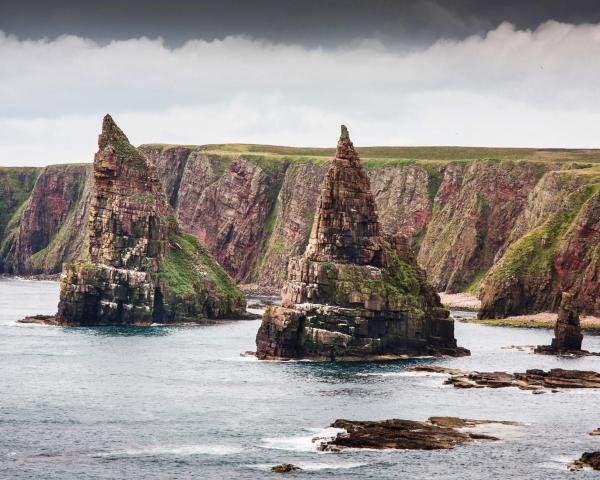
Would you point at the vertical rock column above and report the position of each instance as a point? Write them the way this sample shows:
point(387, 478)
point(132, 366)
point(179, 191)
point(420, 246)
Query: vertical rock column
point(567, 331)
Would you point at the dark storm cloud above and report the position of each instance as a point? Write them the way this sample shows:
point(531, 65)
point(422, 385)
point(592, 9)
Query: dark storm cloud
point(308, 22)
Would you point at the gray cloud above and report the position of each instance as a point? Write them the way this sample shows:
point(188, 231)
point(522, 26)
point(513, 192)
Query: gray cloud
point(306, 22)
point(508, 87)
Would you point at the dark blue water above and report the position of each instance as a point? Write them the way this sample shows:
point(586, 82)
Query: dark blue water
point(178, 403)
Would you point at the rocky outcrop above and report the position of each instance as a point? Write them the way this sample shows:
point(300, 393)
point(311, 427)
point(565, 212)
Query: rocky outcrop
point(567, 332)
point(52, 227)
point(535, 380)
point(437, 433)
point(587, 460)
point(354, 294)
point(285, 468)
point(142, 269)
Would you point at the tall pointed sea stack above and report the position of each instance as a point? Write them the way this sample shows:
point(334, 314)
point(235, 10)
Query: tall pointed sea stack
point(141, 268)
point(354, 294)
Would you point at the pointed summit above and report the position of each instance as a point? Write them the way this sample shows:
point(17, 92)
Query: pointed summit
point(111, 133)
point(345, 228)
point(113, 136)
point(345, 148)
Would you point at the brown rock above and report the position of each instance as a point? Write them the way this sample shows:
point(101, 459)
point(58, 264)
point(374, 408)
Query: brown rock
point(588, 459)
point(534, 379)
point(285, 468)
point(567, 331)
point(435, 434)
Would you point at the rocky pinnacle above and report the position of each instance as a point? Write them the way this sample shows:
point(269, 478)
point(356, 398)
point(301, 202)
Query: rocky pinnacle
point(346, 227)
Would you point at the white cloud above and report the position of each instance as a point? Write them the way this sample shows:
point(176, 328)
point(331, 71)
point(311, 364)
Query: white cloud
point(509, 88)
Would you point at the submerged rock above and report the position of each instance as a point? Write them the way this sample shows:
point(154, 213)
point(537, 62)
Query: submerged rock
point(567, 331)
point(534, 379)
point(285, 468)
point(354, 294)
point(142, 269)
point(435, 434)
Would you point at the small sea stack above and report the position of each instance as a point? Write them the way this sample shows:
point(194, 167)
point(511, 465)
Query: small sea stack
point(141, 268)
point(567, 331)
point(354, 294)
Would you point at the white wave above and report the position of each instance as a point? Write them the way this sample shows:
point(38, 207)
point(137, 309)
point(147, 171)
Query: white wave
point(181, 450)
point(304, 443)
point(402, 374)
point(242, 358)
point(314, 466)
point(499, 430)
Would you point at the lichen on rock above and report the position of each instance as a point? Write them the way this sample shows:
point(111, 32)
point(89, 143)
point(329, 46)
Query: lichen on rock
point(354, 294)
point(142, 269)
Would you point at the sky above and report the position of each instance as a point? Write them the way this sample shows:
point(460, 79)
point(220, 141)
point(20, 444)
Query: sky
point(421, 72)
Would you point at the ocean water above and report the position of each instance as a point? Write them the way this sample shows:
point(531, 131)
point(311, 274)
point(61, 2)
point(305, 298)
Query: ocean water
point(179, 403)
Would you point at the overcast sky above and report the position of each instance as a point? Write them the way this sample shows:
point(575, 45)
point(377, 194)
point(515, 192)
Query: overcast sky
point(397, 73)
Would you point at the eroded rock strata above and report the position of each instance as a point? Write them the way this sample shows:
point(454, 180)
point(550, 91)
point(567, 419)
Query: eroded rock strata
point(142, 269)
point(534, 379)
point(354, 294)
point(435, 434)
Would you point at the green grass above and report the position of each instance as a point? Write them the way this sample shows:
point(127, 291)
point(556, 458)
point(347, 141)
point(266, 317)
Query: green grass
point(188, 264)
point(473, 287)
point(515, 322)
point(532, 253)
point(16, 185)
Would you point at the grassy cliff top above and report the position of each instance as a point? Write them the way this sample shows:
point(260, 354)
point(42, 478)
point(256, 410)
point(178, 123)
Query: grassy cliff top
point(374, 156)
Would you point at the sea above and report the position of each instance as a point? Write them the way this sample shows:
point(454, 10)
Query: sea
point(164, 402)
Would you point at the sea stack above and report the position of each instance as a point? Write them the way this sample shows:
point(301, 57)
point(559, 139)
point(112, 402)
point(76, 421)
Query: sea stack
point(354, 295)
point(142, 269)
point(567, 331)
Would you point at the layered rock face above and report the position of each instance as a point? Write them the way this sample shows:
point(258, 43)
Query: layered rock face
point(52, 227)
point(473, 214)
point(558, 255)
point(225, 202)
point(141, 268)
point(16, 185)
point(354, 294)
